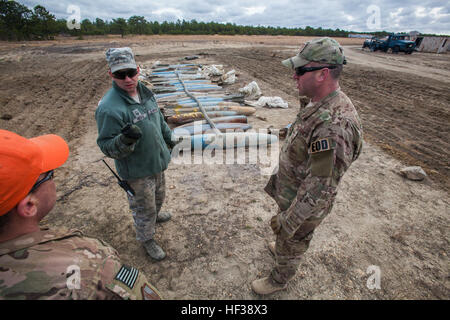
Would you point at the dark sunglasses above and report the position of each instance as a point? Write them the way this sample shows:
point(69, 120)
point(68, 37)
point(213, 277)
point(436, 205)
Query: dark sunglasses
point(302, 70)
point(122, 74)
point(47, 177)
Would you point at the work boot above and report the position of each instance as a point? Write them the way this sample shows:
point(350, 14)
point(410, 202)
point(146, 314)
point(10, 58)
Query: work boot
point(163, 217)
point(267, 285)
point(271, 246)
point(154, 250)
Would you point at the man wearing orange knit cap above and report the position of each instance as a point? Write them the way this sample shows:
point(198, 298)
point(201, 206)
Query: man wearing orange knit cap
point(38, 263)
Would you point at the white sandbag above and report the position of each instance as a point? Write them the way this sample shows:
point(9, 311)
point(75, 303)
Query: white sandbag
point(271, 102)
point(251, 91)
point(229, 77)
point(212, 70)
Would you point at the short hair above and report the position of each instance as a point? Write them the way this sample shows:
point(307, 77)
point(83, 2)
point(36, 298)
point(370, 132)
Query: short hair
point(336, 72)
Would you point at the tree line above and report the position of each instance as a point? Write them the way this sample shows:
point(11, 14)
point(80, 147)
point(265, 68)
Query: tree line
point(18, 22)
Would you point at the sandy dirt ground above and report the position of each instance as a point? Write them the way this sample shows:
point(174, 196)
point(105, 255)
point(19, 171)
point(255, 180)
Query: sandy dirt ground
point(217, 240)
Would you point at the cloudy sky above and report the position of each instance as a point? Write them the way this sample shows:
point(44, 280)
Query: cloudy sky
point(425, 16)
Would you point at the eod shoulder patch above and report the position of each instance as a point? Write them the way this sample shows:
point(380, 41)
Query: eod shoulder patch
point(321, 157)
point(320, 145)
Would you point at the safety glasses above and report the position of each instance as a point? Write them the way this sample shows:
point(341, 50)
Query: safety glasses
point(48, 176)
point(302, 70)
point(122, 74)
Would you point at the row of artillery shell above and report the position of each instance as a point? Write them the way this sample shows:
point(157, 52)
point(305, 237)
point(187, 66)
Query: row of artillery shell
point(247, 111)
point(193, 116)
point(175, 89)
point(202, 128)
point(226, 141)
point(227, 119)
point(183, 111)
point(183, 99)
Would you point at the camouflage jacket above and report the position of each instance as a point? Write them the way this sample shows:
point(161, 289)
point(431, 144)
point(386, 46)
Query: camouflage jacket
point(319, 147)
point(67, 266)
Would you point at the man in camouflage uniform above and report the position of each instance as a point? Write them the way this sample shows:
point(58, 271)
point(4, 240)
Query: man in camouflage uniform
point(38, 263)
point(132, 131)
point(320, 146)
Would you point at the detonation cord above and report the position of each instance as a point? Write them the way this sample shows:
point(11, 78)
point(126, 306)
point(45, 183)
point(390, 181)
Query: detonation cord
point(210, 122)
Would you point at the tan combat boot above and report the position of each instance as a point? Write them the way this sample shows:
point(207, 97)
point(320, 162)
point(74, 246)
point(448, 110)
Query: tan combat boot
point(267, 285)
point(154, 250)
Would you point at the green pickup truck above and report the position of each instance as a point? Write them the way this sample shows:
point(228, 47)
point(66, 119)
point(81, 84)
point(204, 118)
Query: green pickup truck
point(396, 42)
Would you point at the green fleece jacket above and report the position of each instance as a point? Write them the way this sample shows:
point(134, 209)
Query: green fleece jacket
point(150, 154)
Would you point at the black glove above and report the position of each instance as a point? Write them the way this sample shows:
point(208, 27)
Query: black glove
point(131, 133)
point(174, 140)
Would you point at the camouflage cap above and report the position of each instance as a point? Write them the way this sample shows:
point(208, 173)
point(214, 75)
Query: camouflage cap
point(322, 50)
point(120, 58)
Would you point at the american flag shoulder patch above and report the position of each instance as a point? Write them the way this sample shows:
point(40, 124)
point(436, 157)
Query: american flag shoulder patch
point(127, 275)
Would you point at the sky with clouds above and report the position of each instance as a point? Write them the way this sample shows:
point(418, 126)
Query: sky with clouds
point(425, 16)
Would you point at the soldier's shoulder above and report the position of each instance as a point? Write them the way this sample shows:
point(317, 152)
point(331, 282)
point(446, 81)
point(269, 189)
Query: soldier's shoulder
point(110, 101)
point(96, 246)
point(54, 265)
point(343, 110)
point(342, 103)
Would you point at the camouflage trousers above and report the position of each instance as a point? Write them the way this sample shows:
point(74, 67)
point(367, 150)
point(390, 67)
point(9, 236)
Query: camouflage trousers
point(145, 205)
point(288, 252)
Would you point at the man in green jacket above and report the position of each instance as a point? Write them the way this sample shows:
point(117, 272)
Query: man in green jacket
point(132, 131)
